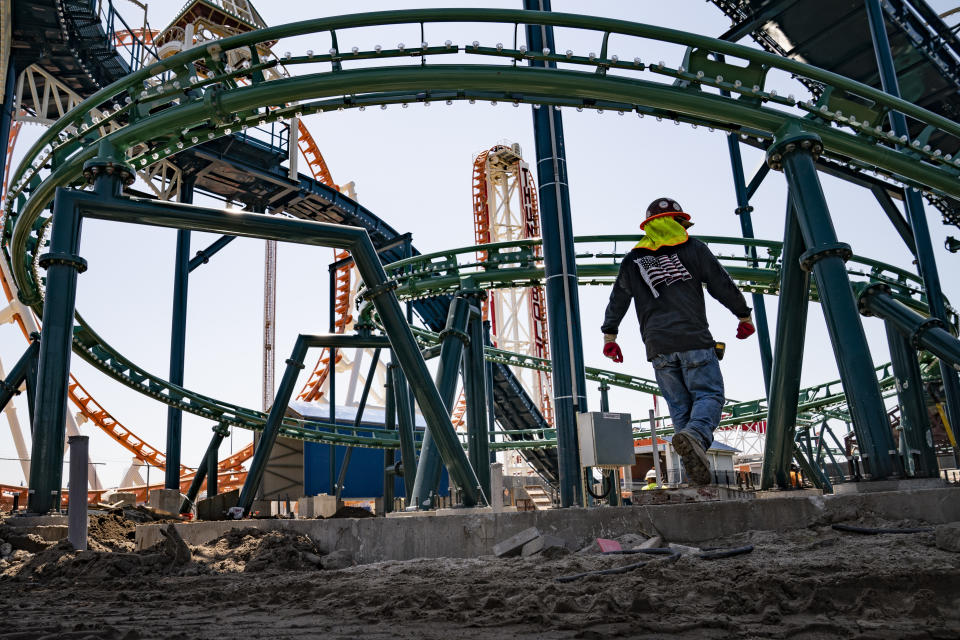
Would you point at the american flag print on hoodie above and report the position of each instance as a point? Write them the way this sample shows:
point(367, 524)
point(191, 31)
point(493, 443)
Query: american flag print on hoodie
point(659, 270)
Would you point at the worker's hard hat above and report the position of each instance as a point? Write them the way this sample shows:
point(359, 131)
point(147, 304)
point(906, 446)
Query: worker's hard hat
point(651, 475)
point(663, 207)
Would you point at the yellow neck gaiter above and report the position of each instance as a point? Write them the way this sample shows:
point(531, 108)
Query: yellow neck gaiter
point(662, 232)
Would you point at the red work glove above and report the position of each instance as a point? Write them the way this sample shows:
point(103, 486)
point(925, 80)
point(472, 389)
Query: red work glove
point(745, 329)
point(612, 351)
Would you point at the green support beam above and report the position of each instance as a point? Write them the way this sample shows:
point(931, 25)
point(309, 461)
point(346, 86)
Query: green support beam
point(788, 354)
point(794, 152)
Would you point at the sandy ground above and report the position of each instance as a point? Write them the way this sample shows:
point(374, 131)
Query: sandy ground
point(806, 584)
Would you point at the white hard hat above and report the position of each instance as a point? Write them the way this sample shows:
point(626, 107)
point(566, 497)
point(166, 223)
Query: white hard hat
point(651, 475)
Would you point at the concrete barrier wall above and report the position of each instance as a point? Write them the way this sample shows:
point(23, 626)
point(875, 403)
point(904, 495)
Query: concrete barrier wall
point(474, 534)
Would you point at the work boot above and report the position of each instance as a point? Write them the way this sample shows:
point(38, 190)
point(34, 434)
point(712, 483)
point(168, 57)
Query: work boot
point(693, 456)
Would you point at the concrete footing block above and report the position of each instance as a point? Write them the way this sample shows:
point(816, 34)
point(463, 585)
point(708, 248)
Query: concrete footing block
point(166, 501)
point(320, 506)
point(215, 508)
point(513, 545)
point(126, 499)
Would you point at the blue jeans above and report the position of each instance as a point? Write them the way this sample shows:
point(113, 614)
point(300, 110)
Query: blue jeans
point(692, 385)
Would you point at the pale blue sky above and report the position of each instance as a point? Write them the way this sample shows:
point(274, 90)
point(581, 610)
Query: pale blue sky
point(412, 167)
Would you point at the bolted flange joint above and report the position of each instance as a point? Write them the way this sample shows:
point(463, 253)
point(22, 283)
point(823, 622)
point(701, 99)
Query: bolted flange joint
point(48, 259)
point(811, 256)
point(922, 328)
point(9, 388)
point(743, 209)
point(293, 363)
point(455, 333)
point(792, 139)
point(106, 164)
point(221, 429)
point(364, 325)
point(93, 169)
point(472, 294)
point(863, 298)
point(377, 290)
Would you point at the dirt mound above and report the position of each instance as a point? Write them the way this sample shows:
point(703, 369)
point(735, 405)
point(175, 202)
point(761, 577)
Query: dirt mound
point(113, 531)
point(171, 557)
point(255, 550)
point(352, 512)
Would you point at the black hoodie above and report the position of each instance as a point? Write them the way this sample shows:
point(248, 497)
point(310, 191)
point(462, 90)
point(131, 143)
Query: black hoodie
point(666, 286)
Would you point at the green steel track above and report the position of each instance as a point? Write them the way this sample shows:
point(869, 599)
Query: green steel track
point(163, 109)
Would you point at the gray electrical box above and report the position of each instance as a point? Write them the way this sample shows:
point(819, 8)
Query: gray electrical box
point(606, 439)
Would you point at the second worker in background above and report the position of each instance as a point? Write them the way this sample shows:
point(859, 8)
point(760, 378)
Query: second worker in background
point(664, 276)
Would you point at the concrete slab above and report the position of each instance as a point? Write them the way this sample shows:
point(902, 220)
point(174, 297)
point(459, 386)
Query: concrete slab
point(411, 514)
point(787, 493)
point(473, 535)
point(36, 521)
point(875, 486)
point(455, 511)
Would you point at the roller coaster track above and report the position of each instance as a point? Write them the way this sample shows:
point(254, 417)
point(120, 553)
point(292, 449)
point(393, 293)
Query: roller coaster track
point(178, 110)
point(486, 226)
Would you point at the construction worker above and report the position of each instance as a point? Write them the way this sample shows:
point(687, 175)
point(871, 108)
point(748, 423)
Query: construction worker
point(664, 275)
point(651, 479)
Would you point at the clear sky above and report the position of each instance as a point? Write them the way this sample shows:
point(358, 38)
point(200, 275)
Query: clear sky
point(412, 167)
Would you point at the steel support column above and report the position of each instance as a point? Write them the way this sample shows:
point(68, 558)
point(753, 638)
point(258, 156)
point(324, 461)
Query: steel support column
point(478, 429)
point(345, 465)
point(920, 459)
point(261, 456)
point(746, 227)
point(6, 114)
point(560, 274)
point(926, 261)
point(795, 150)
point(213, 472)
point(178, 340)
point(408, 450)
point(63, 264)
point(220, 431)
point(452, 340)
point(926, 333)
point(785, 374)
point(106, 204)
point(17, 376)
point(389, 455)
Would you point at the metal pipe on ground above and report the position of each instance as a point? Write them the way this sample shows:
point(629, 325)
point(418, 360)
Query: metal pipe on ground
point(77, 514)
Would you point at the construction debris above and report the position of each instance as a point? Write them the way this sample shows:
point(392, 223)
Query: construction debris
point(542, 544)
point(513, 545)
